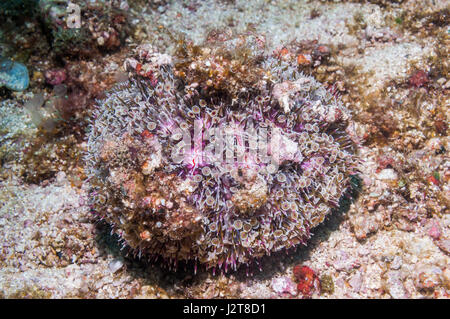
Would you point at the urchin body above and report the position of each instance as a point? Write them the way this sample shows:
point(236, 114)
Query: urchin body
point(219, 204)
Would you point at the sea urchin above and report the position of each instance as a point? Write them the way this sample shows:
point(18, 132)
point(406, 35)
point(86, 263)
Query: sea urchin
point(221, 179)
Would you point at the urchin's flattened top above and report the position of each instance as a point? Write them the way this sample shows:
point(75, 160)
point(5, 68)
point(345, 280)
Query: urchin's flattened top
point(222, 179)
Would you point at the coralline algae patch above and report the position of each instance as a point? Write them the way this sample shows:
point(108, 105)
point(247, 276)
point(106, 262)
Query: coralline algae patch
point(220, 177)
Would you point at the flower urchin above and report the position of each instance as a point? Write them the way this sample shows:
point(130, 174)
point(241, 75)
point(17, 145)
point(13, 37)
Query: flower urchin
point(219, 179)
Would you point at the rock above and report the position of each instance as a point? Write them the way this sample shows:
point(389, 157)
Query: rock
point(115, 265)
point(446, 277)
point(55, 76)
point(444, 245)
point(14, 75)
point(396, 263)
point(446, 85)
point(322, 51)
point(356, 282)
point(441, 81)
point(284, 285)
point(428, 278)
point(343, 262)
point(394, 285)
point(434, 230)
point(387, 174)
point(365, 224)
point(303, 59)
point(60, 177)
point(418, 79)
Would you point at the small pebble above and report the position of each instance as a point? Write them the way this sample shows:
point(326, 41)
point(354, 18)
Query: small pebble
point(396, 263)
point(395, 286)
point(283, 285)
point(356, 282)
point(387, 174)
point(115, 265)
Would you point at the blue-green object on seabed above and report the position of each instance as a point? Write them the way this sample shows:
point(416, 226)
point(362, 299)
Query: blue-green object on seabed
point(13, 75)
